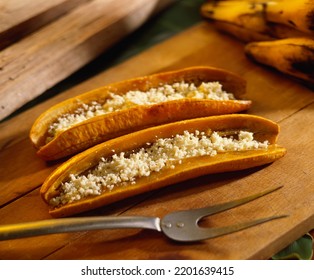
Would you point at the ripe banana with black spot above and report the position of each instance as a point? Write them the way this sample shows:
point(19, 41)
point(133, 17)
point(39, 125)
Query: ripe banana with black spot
point(281, 32)
point(252, 20)
point(293, 56)
point(242, 19)
point(298, 14)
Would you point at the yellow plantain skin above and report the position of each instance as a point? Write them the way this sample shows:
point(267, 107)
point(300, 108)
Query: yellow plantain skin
point(104, 127)
point(262, 128)
point(298, 14)
point(193, 167)
point(293, 56)
point(239, 18)
point(261, 20)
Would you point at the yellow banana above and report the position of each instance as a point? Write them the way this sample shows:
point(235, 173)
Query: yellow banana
point(250, 20)
point(242, 19)
point(298, 14)
point(293, 56)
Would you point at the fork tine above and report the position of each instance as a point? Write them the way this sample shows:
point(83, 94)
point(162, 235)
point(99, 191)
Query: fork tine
point(207, 211)
point(183, 225)
point(206, 233)
point(190, 233)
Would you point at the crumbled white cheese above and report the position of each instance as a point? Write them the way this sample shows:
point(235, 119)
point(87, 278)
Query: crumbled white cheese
point(81, 114)
point(210, 90)
point(125, 168)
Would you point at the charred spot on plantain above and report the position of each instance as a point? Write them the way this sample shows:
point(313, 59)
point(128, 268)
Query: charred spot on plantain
point(154, 111)
point(264, 12)
point(306, 65)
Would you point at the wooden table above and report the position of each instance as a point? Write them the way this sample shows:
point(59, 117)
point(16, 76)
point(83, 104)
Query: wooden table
point(274, 96)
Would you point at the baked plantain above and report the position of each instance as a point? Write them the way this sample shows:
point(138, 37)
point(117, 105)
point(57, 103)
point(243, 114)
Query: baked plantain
point(159, 156)
point(114, 110)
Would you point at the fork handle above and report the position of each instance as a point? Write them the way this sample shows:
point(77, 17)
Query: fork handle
point(44, 227)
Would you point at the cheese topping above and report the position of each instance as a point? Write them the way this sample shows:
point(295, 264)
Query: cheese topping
point(210, 91)
point(125, 168)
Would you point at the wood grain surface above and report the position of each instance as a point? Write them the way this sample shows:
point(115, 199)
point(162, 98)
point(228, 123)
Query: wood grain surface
point(20, 18)
point(39, 61)
point(274, 96)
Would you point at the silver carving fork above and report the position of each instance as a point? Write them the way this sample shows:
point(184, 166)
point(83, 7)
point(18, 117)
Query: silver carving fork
point(179, 226)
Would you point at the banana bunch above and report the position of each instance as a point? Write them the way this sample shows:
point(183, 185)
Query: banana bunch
point(277, 33)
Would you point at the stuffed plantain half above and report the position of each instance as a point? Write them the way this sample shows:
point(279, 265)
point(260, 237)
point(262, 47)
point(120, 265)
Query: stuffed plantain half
point(159, 156)
point(124, 107)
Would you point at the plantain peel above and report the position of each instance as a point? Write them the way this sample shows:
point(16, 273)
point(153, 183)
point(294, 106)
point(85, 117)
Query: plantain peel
point(160, 156)
point(261, 20)
point(292, 56)
point(127, 106)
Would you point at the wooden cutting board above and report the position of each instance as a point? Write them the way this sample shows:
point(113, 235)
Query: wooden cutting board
point(59, 45)
point(274, 96)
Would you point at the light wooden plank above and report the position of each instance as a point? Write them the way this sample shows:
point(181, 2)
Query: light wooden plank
point(19, 18)
point(47, 56)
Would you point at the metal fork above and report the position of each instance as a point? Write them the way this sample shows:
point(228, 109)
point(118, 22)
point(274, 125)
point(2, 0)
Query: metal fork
point(179, 226)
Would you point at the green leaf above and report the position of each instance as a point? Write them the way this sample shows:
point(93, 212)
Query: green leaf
point(301, 249)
